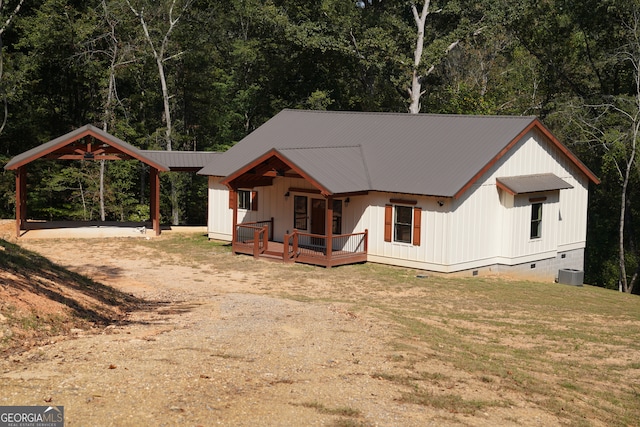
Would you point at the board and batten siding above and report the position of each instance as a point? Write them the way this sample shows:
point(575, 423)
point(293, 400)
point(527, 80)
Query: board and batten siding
point(486, 226)
point(431, 254)
point(496, 226)
point(220, 220)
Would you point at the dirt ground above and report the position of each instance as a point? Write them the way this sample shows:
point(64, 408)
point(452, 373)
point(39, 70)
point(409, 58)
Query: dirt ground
point(220, 347)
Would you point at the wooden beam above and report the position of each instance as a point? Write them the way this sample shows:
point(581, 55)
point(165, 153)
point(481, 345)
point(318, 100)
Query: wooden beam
point(304, 190)
point(234, 231)
point(154, 182)
point(21, 198)
point(82, 157)
point(329, 229)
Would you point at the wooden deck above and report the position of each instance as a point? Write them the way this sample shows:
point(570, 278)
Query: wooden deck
point(328, 251)
point(275, 251)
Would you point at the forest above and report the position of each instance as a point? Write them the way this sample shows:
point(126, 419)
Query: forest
point(202, 74)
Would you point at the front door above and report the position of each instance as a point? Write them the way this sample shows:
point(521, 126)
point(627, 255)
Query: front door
point(318, 216)
point(318, 222)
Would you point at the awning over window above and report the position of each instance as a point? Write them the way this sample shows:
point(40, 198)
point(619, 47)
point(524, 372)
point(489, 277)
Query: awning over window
point(523, 184)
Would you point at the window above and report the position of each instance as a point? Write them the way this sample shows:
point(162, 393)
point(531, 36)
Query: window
point(402, 224)
point(536, 220)
point(337, 217)
point(248, 200)
point(244, 199)
point(300, 212)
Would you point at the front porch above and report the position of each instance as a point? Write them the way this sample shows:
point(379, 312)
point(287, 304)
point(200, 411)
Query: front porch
point(256, 238)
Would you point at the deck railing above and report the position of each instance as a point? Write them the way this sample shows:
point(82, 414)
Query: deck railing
point(312, 248)
point(253, 237)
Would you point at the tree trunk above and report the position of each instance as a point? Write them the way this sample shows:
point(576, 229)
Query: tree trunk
point(415, 92)
point(159, 55)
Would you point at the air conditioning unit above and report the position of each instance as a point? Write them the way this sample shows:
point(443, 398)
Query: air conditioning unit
point(570, 276)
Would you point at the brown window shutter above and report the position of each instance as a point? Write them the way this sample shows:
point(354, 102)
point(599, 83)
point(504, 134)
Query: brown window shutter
point(232, 199)
point(388, 222)
point(417, 217)
point(254, 200)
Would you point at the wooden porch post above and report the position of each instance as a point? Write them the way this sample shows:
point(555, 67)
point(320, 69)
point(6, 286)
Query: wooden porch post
point(154, 182)
point(233, 201)
point(329, 228)
point(21, 198)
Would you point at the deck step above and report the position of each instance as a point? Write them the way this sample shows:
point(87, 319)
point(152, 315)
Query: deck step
point(272, 254)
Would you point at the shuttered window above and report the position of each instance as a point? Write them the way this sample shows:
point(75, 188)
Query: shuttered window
point(244, 199)
point(402, 224)
point(247, 200)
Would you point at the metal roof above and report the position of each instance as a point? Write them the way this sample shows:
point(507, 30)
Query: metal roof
point(439, 155)
point(162, 160)
point(68, 138)
point(523, 184)
point(340, 169)
point(182, 160)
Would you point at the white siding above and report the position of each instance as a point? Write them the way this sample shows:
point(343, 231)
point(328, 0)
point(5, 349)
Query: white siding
point(220, 220)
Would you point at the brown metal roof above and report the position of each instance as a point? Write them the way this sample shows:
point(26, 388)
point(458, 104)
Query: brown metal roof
point(523, 184)
point(182, 160)
point(439, 155)
point(123, 149)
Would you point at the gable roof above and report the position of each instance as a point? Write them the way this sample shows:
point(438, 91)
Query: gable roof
point(430, 154)
point(69, 138)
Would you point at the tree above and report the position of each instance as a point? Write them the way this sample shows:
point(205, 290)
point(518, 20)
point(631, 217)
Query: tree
point(159, 43)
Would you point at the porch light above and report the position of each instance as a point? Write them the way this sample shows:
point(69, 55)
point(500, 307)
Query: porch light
point(346, 201)
point(286, 195)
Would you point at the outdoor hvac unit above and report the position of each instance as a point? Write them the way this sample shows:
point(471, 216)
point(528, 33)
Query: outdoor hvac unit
point(570, 276)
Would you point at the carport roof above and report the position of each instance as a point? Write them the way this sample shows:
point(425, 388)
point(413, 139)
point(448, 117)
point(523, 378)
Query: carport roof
point(55, 149)
point(111, 148)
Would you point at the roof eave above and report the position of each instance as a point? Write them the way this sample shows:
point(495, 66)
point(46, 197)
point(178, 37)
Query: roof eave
point(276, 153)
point(86, 130)
point(535, 124)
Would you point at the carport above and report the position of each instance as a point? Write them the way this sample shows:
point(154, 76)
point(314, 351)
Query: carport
point(91, 143)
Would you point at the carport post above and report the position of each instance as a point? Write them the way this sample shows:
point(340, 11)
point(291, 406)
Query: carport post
point(154, 182)
point(21, 198)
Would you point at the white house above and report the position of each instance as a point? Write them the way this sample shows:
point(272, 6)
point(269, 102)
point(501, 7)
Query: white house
point(445, 193)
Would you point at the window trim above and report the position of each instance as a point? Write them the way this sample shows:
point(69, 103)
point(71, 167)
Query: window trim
point(535, 230)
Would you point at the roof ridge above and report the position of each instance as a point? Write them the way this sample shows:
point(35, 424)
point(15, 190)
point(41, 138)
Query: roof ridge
point(397, 113)
point(320, 146)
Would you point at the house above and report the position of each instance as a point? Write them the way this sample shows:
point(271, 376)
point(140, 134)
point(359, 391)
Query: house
point(445, 193)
